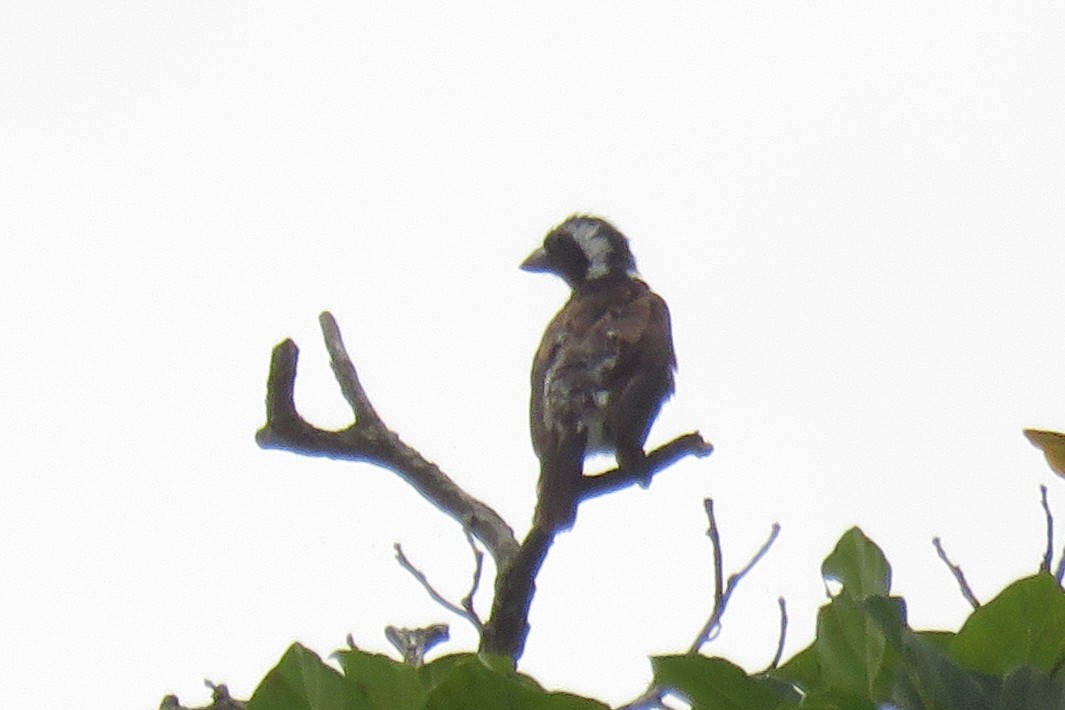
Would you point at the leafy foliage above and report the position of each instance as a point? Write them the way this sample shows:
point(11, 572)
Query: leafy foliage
point(1024, 625)
point(302, 681)
point(1009, 655)
point(714, 683)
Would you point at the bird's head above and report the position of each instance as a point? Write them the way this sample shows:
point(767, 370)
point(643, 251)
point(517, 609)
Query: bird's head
point(581, 250)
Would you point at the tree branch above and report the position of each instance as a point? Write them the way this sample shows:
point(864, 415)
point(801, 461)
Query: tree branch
point(467, 614)
point(508, 624)
point(1048, 556)
point(478, 566)
point(783, 636)
point(959, 576)
point(369, 440)
point(653, 696)
point(721, 598)
point(657, 461)
point(714, 534)
point(346, 376)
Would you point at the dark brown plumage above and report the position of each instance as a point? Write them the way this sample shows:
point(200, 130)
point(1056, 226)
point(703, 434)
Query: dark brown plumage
point(604, 367)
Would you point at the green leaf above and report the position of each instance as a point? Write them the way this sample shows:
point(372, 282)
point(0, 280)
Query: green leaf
point(802, 669)
point(837, 700)
point(300, 681)
point(473, 682)
point(930, 680)
point(859, 565)
point(435, 672)
point(852, 652)
point(377, 682)
point(889, 616)
point(923, 677)
point(1023, 625)
point(1028, 688)
point(939, 639)
point(713, 683)
point(849, 660)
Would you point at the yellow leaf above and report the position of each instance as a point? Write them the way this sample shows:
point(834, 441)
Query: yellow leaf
point(1053, 445)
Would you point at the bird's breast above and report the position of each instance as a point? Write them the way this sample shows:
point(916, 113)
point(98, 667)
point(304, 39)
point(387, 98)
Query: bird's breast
point(594, 422)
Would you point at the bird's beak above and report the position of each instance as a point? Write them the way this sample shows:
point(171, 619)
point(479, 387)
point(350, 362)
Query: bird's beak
point(537, 261)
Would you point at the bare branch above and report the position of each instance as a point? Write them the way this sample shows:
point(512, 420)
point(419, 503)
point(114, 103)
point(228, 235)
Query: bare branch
point(478, 565)
point(959, 576)
point(346, 376)
point(1059, 571)
point(508, 623)
point(658, 460)
point(783, 635)
point(508, 627)
point(369, 440)
point(467, 614)
point(720, 603)
point(653, 696)
point(1048, 556)
point(715, 543)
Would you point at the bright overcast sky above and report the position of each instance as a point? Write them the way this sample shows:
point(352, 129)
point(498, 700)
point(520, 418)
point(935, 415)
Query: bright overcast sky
point(856, 212)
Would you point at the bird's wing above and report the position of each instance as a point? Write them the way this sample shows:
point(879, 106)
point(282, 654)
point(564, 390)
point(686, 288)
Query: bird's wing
point(643, 378)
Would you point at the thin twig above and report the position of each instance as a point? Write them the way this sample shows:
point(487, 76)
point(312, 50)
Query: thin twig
point(715, 543)
point(714, 622)
point(783, 635)
point(466, 614)
point(478, 564)
point(1059, 572)
point(652, 697)
point(1048, 556)
point(959, 576)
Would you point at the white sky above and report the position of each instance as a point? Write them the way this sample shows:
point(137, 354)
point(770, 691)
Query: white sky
point(855, 211)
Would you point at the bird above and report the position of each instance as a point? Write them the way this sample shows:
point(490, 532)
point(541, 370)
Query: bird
point(603, 368)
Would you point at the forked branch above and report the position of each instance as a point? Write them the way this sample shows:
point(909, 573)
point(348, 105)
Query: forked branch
point(653, 697)
point(465, 610)
point(368, 439)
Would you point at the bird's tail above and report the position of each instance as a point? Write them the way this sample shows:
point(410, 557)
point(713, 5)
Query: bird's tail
point(561, 472)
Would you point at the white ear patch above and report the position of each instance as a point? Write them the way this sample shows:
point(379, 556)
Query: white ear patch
point(596, 247)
